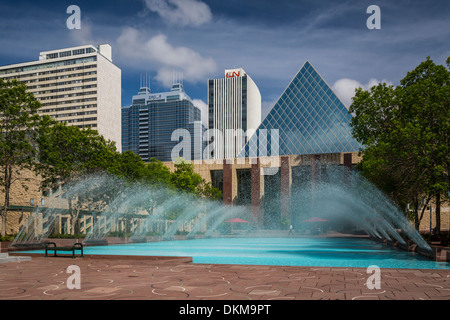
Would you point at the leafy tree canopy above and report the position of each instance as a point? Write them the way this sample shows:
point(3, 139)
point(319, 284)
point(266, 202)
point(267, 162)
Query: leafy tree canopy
point(405, 130)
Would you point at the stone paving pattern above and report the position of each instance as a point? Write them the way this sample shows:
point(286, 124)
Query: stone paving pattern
point(151, 278)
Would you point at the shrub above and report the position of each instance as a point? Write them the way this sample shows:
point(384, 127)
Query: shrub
point(7, 237)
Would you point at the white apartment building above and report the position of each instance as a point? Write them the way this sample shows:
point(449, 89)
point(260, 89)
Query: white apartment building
point(80, 86)
point(234, 110)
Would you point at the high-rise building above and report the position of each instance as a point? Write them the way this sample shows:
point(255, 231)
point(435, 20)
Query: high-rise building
point(234, 110)
point(80, 86)
point(156, 123)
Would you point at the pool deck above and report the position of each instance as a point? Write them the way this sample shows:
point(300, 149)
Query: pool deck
point(167, 278)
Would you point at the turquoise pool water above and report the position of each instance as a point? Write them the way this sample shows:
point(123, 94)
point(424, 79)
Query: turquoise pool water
point(320, 252)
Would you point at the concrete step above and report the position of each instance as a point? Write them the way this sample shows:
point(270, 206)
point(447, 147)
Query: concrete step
point(5, 257)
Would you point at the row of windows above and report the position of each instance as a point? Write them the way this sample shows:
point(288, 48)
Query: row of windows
point(74, 114)
point(73, 75)
point(63, 83)
point(35, 74)
point(80, 120)
point(48, 65)
point(68, 102)
point(53, 71)
point(63, 89)
point(68, 108)
point(69, 53)
point(67, 95)
point(85, 126)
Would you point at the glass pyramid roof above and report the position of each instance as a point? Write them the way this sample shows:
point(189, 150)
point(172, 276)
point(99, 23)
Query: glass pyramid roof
point(310, 119)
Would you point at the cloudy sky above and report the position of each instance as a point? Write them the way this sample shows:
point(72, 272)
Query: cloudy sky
point(270, 39)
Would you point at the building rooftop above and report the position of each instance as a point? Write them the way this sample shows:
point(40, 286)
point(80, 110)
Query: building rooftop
point(145, 96)
point(63, 54)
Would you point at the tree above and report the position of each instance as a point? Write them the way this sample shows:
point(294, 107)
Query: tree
point(157, 173)
point(185, 179)
point(18, 122)
point(67, 154)
point(129, 166)
point(405, 133)
point(426, 126)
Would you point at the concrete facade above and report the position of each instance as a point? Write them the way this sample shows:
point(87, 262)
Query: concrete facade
point(234, 112)
point(260, 168)
point(79, 85)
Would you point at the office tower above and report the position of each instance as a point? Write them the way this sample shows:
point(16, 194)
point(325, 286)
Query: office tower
point(234, 109)
point(150, 126)
point(80, 86)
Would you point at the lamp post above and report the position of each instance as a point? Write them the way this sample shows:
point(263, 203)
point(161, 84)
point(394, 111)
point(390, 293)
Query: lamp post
point(36, 219)
point(430, 221)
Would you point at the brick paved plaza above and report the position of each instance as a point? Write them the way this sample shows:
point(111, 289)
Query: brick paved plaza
point(153, 278)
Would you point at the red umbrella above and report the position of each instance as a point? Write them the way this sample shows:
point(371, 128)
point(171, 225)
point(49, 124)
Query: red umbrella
point(315, 219)
point(237, 220)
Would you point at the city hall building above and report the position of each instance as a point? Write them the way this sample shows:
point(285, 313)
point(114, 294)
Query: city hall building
point(306, 127)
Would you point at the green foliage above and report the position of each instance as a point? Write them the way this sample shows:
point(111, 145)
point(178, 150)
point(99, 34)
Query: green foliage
point(442, 239)
point(67, 152)
point(157, 173)
point(185, 179)
point(127, 165)
point(63, 155)
point(68, 155)
point(18, 123)
point(6, 238)
point(405, 131)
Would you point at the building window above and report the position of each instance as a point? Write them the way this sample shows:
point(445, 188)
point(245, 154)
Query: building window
point(52, 56)
point(244, 183)
point(65, 54)
point(78, 51)
point(217, 179)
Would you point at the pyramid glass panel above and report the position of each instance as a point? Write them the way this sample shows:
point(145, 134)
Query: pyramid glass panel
point(310, 119)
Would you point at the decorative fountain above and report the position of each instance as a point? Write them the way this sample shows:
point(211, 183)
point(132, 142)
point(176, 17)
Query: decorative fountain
point(141, 210)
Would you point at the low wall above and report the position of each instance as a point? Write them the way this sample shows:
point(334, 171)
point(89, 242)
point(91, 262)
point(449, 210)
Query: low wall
point(438, 253)
point(442, 254)
point(6, 246)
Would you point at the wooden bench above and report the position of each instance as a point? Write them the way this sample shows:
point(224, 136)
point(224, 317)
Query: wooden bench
point(49, 246)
